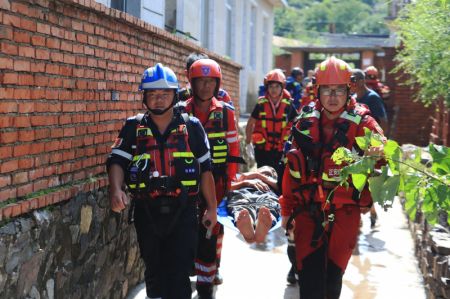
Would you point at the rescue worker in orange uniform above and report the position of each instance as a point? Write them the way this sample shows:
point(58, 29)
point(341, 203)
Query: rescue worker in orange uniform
point(325, 224)
point(270, 122)
point(218, 119)
point(373, 82)
point(163, 156)
point(186, 92)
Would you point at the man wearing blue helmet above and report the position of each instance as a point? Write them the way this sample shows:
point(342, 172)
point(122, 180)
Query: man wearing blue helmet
point(163, 157)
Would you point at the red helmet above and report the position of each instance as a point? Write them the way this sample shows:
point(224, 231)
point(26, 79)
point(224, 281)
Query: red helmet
point(275, 75)
point(205, 68)
point(371, 71)
point(333, 71)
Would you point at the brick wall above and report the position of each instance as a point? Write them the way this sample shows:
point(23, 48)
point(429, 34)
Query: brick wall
point(61, 61)
point(410, 121)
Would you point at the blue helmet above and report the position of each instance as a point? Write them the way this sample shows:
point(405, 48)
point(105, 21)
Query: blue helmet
point(158, 77)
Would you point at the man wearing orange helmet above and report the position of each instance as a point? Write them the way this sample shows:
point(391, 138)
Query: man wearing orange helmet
point(269, 124)
point(325, 223)
point(218, 119)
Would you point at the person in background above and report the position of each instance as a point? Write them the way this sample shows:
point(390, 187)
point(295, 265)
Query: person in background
point(370, 98)
point(294, 86)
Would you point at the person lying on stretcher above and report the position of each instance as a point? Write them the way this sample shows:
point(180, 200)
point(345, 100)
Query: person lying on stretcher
point(253, 203)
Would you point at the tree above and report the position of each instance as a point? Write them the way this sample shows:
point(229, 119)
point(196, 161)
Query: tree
point(423, 27)
point(304, 18)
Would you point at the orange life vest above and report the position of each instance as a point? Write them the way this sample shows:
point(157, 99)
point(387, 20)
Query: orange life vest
point(271, 129)
point(310, 159)
point(163, 169)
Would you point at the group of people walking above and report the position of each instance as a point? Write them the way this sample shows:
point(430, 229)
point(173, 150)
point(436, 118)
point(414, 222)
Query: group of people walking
point(180, 158)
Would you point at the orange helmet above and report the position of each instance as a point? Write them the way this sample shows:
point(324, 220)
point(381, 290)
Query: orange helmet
point(206, 68)
point(371, 71)
point(275, 75)
point(333, 71)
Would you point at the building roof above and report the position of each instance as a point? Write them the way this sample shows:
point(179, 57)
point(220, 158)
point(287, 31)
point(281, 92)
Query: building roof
point(330, 42)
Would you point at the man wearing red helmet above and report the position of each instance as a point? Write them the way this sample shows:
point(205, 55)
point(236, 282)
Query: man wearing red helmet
point(325, 223)
point(373, 82)
point(218, 119)
point(268, 126)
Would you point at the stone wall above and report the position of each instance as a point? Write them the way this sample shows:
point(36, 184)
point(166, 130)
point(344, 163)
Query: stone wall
point(76, 249)
point(432, 247)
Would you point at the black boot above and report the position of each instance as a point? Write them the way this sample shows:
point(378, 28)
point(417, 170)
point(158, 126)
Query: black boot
point(205, 291)
point(291, 277)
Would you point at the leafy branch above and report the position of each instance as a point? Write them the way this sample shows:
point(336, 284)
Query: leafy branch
point(425, 187)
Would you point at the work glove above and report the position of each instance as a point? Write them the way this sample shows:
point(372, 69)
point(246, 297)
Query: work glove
point(250, 150)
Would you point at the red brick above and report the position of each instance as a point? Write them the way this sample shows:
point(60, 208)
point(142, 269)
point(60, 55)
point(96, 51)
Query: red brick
point(69, 132)
point(25, 79)
point(23, 94)
point(43, 133)
point(20, 177)
point(34, 203)
point(37, 40)
point(9, 166)
point(8, 107)
point(11, 20)
point(6, 33)
point(40, 184)
point(56, 31)
point(8, 49)
point(26, 163)
point(5, 152)
point(42, 54)
point(41, 81)
point(5, 180)
point(22, 122)
point(53, 43)
point(22, 37)
point(36, 173)
point(8, 137)
point(20, 8)
point(55, 82)
point(52, 69)
point(37, 148)
point(26, 135)
point(9, 78)
point(25, 206)
point(29, 25)
point(22, 65)
point(38, 67)
point(16, 209)
point(42, 202)
point(26, 51)
point(6, 63)
point(6, 210)
point(22, 150)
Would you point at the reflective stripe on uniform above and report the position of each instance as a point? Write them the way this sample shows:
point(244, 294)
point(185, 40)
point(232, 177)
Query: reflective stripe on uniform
point(219, 147)
point(204, 157)
point(189, 183)
point(122, 154)
point(220, 154)
point(183, 155)
point(219, 161)
point(354, 118)
point(141, 157)
point(295, 174)
point(214, 135)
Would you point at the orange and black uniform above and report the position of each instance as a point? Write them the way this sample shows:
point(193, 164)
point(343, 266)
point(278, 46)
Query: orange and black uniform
point(272, 128)
point(220, 126)
point(309, 177)
point(162, 172)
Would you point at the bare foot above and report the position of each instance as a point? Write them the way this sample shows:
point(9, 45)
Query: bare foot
point(263, 224)
point(245, 225)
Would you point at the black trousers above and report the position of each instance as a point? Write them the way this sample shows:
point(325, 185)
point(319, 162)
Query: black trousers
point(168, 258)
point(320, 278)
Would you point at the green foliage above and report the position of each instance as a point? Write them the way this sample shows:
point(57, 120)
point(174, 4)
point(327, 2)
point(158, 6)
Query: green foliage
point(303, 19)
point(425, 187)
point(424, 30)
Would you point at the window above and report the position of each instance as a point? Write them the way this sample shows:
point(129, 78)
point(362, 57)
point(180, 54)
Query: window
point(252, 47)
point(266, 44)
point(151, 11)
point(229, 5)
point(205, 24)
